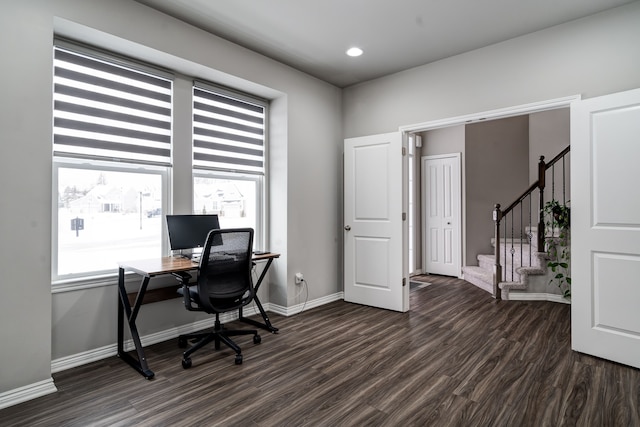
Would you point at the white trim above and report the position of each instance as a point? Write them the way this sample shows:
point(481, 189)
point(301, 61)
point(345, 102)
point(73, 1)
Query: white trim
point(83, 358)
point(107, 351)
point(524, 296)
point(500, 113)
point(78, 284)
point(28, 392)
point(298, 308)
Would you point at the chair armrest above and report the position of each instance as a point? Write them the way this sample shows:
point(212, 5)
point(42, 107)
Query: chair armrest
point(183, 277)
point(186, 298)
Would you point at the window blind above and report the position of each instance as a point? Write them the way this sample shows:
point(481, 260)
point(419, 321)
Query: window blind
point(228, 132)
point(107, 110)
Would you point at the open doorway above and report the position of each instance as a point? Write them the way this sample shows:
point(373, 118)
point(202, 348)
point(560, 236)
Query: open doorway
point(538, 126)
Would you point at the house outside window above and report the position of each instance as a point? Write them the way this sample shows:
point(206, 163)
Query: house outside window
point(106, 214)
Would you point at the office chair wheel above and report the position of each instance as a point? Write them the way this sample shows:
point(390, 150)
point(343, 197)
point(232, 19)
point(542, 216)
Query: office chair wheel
point(186, 362)
point(238, 359)
point(257, 339)
point(182, 342)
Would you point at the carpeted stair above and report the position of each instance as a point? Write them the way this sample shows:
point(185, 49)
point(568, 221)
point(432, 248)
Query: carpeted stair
point(526, 261)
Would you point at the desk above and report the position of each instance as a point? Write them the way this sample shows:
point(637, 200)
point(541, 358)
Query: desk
point(129, 304)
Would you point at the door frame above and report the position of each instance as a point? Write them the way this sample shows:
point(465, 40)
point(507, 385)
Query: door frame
point(501, 113)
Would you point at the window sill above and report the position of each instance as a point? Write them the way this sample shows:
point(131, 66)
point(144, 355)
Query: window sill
point(80, 283)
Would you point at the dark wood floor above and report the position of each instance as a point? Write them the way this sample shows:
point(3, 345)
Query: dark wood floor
point(459, 358)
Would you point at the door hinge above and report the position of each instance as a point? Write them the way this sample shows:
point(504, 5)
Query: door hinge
point(404, 151)
point(404, 216)
point(404, 281)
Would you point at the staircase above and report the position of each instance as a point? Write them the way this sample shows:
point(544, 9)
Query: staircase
point(526, 272)
point(518, 268)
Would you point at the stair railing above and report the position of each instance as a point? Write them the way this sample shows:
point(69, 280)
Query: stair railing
point(517, 222)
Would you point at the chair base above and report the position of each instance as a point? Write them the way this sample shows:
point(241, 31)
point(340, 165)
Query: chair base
point(219, 335)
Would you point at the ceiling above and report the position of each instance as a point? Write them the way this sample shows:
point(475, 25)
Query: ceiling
point(313, 35)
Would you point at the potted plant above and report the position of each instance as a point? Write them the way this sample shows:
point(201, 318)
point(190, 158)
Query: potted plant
point(557, 224)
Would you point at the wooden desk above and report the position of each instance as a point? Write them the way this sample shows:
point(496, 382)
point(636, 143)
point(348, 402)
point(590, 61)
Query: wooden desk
point(129, 303)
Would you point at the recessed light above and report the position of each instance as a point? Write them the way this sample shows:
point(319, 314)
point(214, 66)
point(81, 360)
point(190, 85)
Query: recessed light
point(354, 51)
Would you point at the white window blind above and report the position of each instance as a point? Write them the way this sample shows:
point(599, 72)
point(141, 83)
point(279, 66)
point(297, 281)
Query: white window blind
point(106, 110)
point(228, 132)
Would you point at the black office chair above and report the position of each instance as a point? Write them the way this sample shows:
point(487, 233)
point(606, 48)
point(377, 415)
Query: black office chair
point(223, 284)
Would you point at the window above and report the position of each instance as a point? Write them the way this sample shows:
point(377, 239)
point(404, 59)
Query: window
point(112, 153)
point(112, 159)
point(229, 157)
point(106, 214)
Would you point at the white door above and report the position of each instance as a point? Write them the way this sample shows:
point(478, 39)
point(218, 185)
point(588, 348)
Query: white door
point(374, 272)
point(442, 217)
point(605, 227)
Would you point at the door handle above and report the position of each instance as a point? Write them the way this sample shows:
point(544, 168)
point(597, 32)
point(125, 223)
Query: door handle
point(347, 227)
point(448, 223)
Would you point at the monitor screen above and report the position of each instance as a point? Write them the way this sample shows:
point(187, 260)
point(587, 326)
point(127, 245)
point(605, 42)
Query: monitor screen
point(190, 231)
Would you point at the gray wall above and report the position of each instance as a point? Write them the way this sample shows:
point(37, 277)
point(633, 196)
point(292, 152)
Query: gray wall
point(443, 141)
point(548, 136)
point(304, 204)
point(495, 150)
point(592, 56)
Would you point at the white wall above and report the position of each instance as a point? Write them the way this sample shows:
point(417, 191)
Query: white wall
point(593, 56)
point(304, 206)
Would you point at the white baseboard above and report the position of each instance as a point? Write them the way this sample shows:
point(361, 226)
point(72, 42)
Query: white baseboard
point(298, 308)
point(94, 355)
point(42, 388)
point(28, 392)
point(523, 296)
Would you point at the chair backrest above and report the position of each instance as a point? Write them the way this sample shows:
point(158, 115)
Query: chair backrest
point(224, 276)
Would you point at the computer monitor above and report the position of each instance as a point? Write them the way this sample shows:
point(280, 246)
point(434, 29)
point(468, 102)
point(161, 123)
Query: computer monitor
point(190, 231)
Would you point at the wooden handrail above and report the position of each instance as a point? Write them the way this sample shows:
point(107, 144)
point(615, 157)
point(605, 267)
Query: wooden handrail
point(521, 198)
point(558, 157)
point(498, 214)
point(536, 184)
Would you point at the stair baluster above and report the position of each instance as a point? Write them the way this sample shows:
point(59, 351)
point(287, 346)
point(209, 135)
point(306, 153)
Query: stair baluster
point(503, 216)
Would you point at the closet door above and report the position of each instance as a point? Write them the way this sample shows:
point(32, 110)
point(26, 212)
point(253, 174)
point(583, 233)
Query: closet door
point(442, 191)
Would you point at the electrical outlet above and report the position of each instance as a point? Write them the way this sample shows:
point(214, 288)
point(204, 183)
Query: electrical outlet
point(299, 278)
